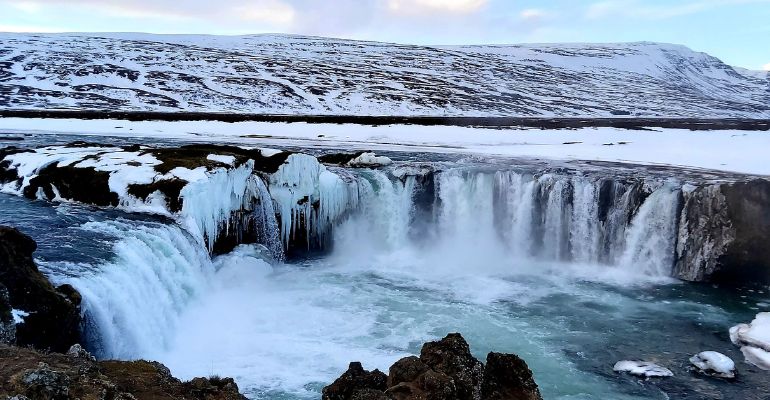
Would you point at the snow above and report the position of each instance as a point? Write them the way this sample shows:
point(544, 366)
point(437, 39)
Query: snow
point(714, 363)
point(755, 334)
point(754, 339)
point(229, 160)
point(285, 74)
point(18, 316)
point(757, 357)
point(369, 160)
point(642, 368)
point(189, 175)
point(725, 150)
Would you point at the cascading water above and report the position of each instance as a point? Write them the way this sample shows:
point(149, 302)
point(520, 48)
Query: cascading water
point(132, 303)
point(650, 245)
point(504, 214)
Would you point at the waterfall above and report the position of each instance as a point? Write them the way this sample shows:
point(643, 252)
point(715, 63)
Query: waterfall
point(132, 303)
point(469, 217)
point(650, 241)
point(585, 233)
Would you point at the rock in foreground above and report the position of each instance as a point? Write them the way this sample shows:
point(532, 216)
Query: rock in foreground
point(26, 373)
point(445, 370)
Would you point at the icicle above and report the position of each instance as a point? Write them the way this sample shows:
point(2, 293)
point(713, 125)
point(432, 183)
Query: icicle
point(208, 204)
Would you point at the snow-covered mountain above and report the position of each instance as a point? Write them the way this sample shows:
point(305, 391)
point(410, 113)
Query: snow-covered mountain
point(282, 74)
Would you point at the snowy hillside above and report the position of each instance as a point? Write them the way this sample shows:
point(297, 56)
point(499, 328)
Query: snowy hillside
point(301, 75)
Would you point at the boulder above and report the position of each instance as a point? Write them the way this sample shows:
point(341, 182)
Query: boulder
point(354, 380)
point(507, 377)
point(445, 370)
point(53, 314)
point(452, 356)
point(45, 383)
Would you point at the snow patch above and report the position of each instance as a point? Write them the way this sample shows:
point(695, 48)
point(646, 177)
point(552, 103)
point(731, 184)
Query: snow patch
point(18, 316)
point(642, 368)
point(229, 160)
point(714, 363)
point(369, 160)
point(757, 357)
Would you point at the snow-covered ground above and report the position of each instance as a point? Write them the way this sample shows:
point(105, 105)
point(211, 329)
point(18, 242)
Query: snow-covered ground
point(286, 74)
point(734, 151)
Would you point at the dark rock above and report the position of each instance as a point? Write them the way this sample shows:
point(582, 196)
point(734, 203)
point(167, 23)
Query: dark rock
point(452, 356)
point(7, 324)
point(84, 185)
point(45, 383)
point(26, 373)
point(355, 379)
point(78, 351)
point(414, 380)
point(339, 158)
point(171, 188)
point(723, 237)
point(507, 377)
point(445, 371)
point(407, 369)
point(194, 156)
point(54, 313)
point(369, 394)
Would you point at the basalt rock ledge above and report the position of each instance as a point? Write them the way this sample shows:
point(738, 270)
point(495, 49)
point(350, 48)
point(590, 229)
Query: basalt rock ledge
point(445, 370)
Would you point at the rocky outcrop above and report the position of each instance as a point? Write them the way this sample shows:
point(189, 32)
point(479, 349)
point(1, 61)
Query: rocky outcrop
point(445, 370)
point(723, 233)
point(39, 376)
point(7, 323)
point(52, 314)
point(506, 376)
point(355, 380)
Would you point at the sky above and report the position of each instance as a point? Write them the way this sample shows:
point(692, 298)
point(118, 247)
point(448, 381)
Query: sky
point(736, 31)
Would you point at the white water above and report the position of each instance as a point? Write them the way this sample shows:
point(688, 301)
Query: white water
point(133, 302)
point(283, 331)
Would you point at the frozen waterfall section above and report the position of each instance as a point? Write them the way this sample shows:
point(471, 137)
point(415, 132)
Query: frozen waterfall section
point(654, 222)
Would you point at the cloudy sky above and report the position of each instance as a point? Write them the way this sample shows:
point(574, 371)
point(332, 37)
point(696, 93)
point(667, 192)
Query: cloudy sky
point(737, 31)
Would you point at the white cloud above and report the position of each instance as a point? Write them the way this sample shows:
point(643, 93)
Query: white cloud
point(638, 8)
point(447, 6)
point(270, 12)
point(27, 6)
point(273, 12)
point(766, 67)
point(532, 14)
point(29, 29)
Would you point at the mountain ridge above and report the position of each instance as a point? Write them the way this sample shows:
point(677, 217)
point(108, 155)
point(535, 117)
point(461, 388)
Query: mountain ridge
point(294, 74)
